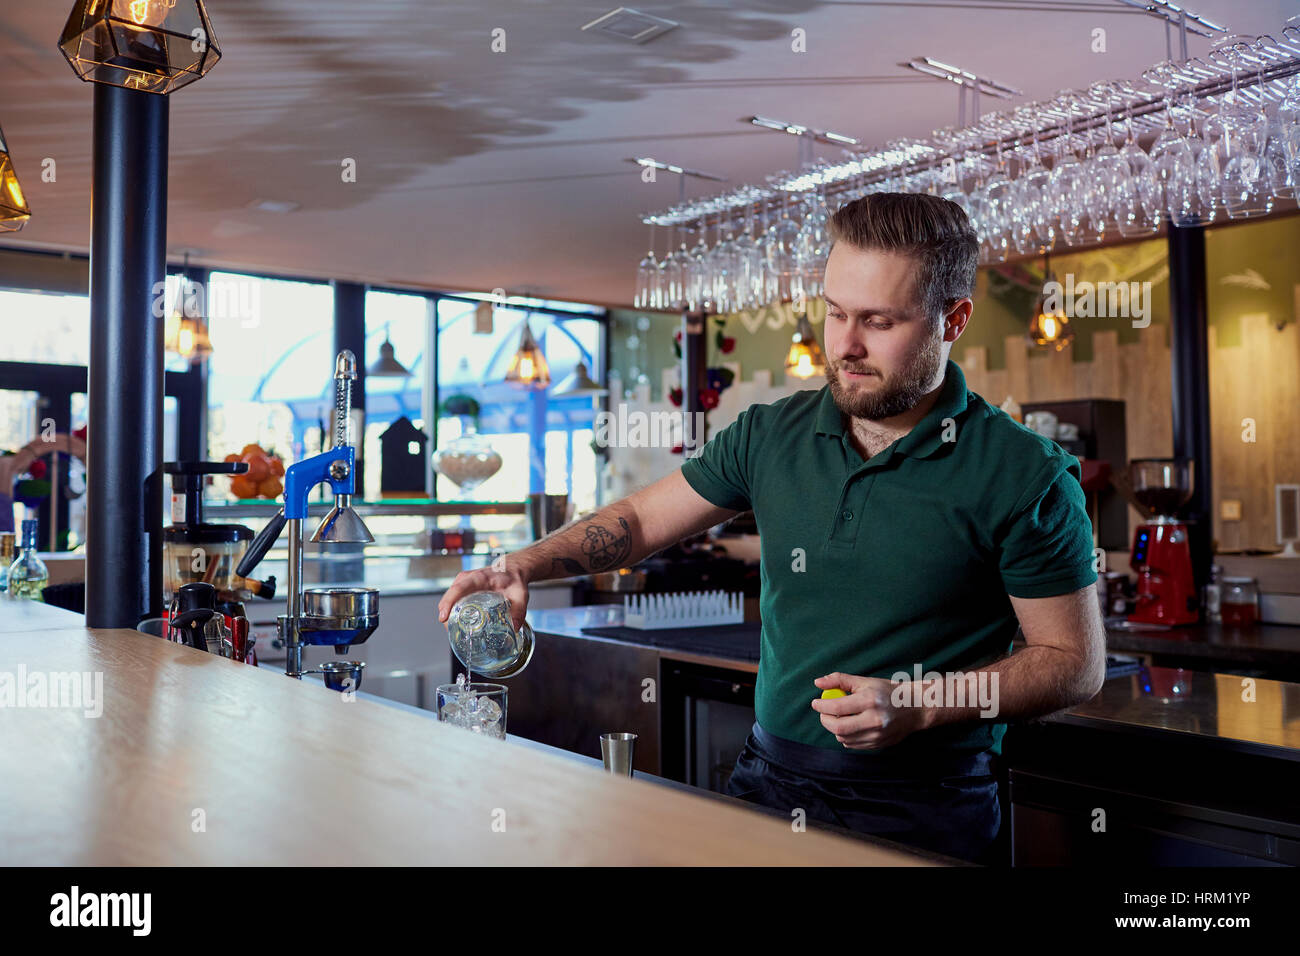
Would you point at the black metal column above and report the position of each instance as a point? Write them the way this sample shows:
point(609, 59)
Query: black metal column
point(695, 349)
point(1189, 349)
point(125, 395)
point(350, 333)
point(192, 402)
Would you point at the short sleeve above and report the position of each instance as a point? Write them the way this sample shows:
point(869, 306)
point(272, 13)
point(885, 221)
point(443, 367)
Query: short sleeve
point(1047, 548)
point(720, 472)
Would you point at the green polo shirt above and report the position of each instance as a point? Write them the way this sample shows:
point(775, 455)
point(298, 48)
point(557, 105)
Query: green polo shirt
point(874, 567)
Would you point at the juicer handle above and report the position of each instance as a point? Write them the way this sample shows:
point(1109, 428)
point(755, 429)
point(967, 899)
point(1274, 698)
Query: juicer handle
point(261, 544)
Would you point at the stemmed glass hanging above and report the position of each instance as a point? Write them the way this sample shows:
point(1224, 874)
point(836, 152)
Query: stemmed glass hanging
point(1278, 175)
point(1069, 179)
point(647, 278)
point(1136, 193)
point(721, 266)
point(1288, 113)
point(670, 277)
point(1107, 168)
point(1225, 142)
point(997, 193)
point(749, 265)
point(814, 239)
point(1174, 157)
point(781, 252)
point(1242, 131)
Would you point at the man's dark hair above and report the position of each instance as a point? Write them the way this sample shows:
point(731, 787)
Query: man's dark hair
point(934, 231)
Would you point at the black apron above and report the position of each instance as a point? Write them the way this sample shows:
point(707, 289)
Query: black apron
point(944, 803)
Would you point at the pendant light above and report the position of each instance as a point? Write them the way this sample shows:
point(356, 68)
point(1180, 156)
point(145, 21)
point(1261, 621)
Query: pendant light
point(528, 368)
point(14, 211)
point(579, 382)
point(805, 358)
point(1049, 326)
point(153, 45)
point(186, 335)
point(387, 366)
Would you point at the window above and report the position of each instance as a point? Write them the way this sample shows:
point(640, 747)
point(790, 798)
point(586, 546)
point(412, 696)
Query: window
point(270, 375)
point(41, 327)
point(402, 320)
point(544, 441)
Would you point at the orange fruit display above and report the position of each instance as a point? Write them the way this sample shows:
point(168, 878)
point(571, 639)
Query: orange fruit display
point(242, 487)
point(263, 478)
point(259, 466)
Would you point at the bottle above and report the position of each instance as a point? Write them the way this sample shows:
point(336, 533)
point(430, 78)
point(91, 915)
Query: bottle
point(1213, 593)
point(484, 639)
point(6, 559)
point(28, 575)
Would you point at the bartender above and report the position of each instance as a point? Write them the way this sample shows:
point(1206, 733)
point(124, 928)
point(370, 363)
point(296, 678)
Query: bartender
point(908, 529)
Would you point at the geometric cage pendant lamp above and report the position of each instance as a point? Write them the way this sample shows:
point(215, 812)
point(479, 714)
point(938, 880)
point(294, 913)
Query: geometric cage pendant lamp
point(153, 45)
point(14, 211)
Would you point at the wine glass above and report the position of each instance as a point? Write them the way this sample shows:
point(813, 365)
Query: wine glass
point(781, 252)
point(1068, 182)
point(814, 240)
point(670, 276)
point(721, 263)
point(1174, 155)
point(1240, 131)
point(647, 277)
point(1107, 167)
point(1136, 198)
point(749, 264)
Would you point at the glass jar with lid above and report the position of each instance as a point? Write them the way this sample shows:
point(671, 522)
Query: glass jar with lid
point(1239, 602)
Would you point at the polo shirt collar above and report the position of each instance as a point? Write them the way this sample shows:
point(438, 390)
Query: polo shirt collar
point(927, 436)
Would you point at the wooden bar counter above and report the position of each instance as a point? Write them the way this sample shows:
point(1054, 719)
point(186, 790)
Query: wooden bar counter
point(199, 760)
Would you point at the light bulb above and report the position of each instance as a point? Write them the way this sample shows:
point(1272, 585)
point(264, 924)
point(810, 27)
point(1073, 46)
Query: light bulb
point(1049, 327)
point(185, 341)
point(148, 13)
point(526, 371)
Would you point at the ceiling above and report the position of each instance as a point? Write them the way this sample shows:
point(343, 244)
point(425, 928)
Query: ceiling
point(477, 169)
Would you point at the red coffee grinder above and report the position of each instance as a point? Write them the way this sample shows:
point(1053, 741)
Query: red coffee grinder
point(1162, 557)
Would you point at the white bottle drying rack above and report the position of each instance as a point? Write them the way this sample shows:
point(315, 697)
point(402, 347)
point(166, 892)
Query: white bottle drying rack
point(683, 609)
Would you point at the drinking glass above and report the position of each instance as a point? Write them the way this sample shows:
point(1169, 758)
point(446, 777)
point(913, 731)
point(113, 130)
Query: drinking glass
point(477, 707)
point(781, 250)
point(814, 241)
point(1068, 184)
point(1184, 180)
point(749, 265)
point(721, 266)
point(647, 278)
point(1240, 131)
point(699, 291)
point(1108, 167)
point(670, 277)
point(1136, 198)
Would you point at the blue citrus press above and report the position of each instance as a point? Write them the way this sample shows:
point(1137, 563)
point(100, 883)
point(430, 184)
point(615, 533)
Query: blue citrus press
point(339, 617)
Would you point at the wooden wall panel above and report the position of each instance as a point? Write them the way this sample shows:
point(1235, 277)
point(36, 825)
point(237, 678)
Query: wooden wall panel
point(1257, 379)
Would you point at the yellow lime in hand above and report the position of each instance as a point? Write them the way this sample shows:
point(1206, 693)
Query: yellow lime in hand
point(833, 693)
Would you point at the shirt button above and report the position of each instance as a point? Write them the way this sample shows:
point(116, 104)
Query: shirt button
point(847, 515)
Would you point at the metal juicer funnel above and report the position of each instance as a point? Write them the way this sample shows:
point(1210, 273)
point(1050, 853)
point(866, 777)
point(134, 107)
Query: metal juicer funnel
point(343, 525)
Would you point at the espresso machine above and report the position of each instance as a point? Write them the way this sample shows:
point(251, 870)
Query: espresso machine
point(1162, 557)
point(331, 616)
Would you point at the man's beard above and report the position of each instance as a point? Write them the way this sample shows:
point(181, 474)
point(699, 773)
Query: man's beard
point(899, 393)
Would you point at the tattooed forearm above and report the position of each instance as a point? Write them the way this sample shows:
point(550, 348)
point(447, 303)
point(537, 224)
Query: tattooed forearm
point(606, 548)
point(604, 541)
point(566, 566)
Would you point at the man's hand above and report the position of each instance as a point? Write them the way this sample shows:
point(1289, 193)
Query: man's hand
point(865, 719)
point(499, 576)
